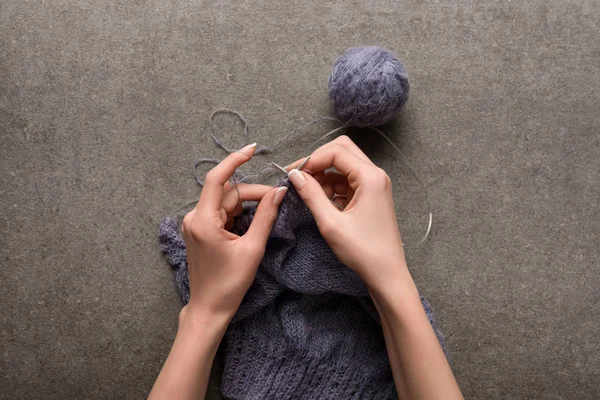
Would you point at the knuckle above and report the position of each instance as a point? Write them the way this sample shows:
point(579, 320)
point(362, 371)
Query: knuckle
point(197, 232)
point(379, 179)
point(211, 176)
point(344, 140)
point(337, 147)
point(386, 181)
point(327, 228)
point(187, 222)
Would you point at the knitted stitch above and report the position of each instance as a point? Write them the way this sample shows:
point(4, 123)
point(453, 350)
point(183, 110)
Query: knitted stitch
point(307, 328)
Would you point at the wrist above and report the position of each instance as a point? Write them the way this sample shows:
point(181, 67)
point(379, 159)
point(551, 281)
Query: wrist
point(386, 278)
point(201, 320)
point(396, 292)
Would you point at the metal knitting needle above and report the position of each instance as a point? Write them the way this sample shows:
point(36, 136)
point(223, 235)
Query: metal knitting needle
point(279, 168)
point(302, 164)
point(299, 167)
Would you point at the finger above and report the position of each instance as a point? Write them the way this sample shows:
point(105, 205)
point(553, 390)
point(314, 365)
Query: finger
point(212, 194)
point(336, 188)
point(335, 156)
point(241, 192)
point(343, 141)
point(342, 187)
point(187, 221)
point(334, 182)
point(319, 175)
point(237, 211)
point(349, 144)
point(341, 202)
point(331, 193)
point(264, 218)
point(342, 160)
point(313, 196)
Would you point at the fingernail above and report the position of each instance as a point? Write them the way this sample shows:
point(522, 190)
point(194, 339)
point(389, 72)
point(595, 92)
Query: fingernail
point(247, 150)
point(297, 178)
point(279, 194)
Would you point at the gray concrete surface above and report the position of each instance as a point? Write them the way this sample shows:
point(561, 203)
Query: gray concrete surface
point(104, 108)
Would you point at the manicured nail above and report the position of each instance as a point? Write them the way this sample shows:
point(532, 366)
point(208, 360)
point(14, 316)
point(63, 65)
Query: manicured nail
point(248, 150)
point(297, 178)
point(279, 194)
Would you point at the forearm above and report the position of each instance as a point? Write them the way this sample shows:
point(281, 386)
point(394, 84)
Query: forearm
point(420, 368)
point(390, 346)
point(187, 368)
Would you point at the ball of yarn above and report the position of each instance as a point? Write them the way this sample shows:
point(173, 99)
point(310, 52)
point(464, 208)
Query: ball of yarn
point(368, 86)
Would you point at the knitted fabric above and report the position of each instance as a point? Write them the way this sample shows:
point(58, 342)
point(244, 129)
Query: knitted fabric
point(307, 328)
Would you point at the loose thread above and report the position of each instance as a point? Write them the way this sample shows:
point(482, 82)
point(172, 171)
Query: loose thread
point(412, 169)
point(218, 141)
point(240, 177)
point(283, 139)
point(215, 161)
point(406, 161)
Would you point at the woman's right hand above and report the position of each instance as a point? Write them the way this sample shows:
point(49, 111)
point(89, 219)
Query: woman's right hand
point(362, 231)
point(365, 237)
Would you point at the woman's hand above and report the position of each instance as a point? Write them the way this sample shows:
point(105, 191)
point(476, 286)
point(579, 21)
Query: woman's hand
point(221, 264)
point(362, 230)
point(221, 267)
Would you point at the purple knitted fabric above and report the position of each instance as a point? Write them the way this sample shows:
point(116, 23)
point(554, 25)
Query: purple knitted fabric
point(307, 328)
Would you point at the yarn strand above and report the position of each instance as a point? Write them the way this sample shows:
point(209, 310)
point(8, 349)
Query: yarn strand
point(412, 169)
point(239, 177)
point(283, 139)
point(406, 161)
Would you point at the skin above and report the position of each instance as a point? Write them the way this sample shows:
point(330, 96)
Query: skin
point(355, 213)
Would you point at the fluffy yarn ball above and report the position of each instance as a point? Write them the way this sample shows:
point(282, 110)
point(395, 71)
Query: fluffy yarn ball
point(368, 86)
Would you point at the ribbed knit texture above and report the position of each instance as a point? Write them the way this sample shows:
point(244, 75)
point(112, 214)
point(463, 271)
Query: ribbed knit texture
point(307, 328)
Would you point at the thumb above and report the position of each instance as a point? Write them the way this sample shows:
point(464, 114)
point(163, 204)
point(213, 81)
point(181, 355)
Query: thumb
point(314, 197)
point(264, 218)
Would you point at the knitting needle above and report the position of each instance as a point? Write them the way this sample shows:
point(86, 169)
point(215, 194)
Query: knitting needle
point(299, 167)
point(302, 164)
point(279, 168)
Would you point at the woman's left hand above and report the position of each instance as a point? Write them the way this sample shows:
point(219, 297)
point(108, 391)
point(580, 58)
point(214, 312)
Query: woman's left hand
point(222, 265)
point(221, 268)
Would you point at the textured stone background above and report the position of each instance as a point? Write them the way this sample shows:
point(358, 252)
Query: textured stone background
point(104, 108)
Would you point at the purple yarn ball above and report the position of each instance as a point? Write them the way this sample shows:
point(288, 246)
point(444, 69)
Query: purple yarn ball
point(368, 86)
